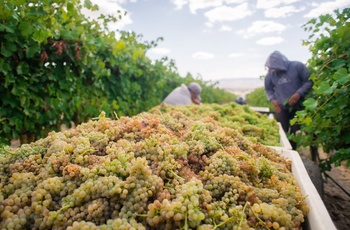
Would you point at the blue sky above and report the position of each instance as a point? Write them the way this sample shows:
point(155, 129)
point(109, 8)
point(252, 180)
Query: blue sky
point(221, 39)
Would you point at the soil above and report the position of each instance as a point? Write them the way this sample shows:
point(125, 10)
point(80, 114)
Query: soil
point(336, 200)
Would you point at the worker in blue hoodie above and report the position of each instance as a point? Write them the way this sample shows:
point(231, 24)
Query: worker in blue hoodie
point(286, 84)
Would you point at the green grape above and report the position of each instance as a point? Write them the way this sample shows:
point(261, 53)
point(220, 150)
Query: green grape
point(178, 168)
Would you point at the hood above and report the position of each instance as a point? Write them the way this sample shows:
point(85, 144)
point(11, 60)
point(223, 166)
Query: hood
point(276, 60)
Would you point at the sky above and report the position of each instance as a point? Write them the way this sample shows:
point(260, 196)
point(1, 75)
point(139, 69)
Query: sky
point(220, 39)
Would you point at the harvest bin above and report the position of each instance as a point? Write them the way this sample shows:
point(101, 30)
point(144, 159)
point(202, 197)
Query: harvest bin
point(318, 217)
point(283, 138)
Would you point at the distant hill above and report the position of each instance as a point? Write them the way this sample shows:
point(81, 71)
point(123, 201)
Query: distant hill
point(240, 86)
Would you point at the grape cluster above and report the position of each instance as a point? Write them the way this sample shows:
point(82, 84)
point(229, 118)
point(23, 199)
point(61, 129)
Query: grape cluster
point(255, 126)
point(159, 170)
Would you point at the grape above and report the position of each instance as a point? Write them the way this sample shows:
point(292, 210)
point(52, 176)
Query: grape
point(185, 167)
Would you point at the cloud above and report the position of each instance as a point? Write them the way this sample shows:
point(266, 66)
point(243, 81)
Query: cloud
point(326, 8)
point(203, 55)
point(159, 51)
point(195, 5)
point(122, 1)
point(225, 13)
point(260, 27)
point(269, 41)
point(208, 27)
point(109, 8)
point(225, 28)
point(282, 12)
point(179, 3)
point(235, 55)
point(233, 1)
point(203, 4)
point(209, 24)
point(267, 4)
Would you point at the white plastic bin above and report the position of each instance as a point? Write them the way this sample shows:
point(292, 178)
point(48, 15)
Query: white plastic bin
point(260, 109)
point(283, 138)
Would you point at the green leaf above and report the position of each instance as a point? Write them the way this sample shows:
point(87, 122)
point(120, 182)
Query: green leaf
point(11, 46)
point(87, 4)
point(15, 90)
point(325, 89)
point(10, 101)
point(70, 7)
point(26, 28)
point(310, 104)
point(68, 35)
point(8, 29)
point(338, 63)
point(9, 79)
point(6, 52)
point(342, 76)
point(308, 121)
point(343, 32)
point(19, 2)
point(22, 68)
point(41, 35)
point(32, 50)
point(23, 101)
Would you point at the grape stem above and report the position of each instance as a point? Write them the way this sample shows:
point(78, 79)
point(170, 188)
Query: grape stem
point(232, 217)
point(116, 115)
point(142, 215)
point(64, 207)
point(171, 171)
point(260, 220)
point(224, 222)
point(167, 187)
point(186, 216)
point(304, 198)
point(88, 151)
point(222, 147)
point(241, 220)
point(161, 114)
point(7, 150)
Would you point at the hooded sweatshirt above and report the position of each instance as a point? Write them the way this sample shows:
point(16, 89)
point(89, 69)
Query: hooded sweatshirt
point(284, 78)
point(179, 96)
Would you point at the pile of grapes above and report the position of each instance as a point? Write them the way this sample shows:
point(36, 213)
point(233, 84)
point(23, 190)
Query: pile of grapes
point(252, 125)
point(151, 171)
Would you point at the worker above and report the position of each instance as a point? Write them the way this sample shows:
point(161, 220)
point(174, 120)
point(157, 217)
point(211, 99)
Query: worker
point(286, 84)
point(240, 100)
point(185, 95)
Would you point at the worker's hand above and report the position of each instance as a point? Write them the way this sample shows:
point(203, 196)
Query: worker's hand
point(277, 106)
point(294, 99)
point(196, 101)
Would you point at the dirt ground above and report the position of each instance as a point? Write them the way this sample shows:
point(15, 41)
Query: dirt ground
point(335, 199)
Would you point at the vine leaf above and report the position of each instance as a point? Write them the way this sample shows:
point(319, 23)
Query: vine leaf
point(342, 76)
point(26, 29)
point(310, 103)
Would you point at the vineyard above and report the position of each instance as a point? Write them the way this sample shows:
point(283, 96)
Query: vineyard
point(59, 67)
point(192, 167)
point(158, 170)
